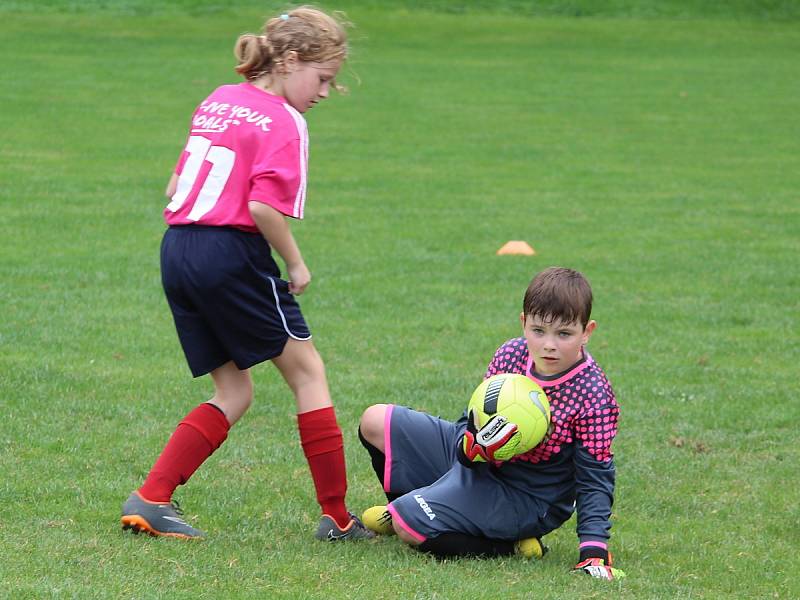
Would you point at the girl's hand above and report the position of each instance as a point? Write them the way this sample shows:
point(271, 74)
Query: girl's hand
point(299, 278)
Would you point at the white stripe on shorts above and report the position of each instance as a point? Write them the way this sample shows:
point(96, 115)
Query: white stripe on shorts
point(280, 312)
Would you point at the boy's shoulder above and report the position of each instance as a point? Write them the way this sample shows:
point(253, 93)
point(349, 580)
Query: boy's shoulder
point(595, 368)
point(517, 344)
point(588, 382)
point(510, 357)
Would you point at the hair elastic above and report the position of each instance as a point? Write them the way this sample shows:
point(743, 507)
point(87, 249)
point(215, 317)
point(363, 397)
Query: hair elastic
point(285, 17)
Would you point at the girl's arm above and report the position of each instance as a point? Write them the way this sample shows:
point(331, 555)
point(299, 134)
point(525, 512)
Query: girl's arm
point(275, 228)
point(171, 186)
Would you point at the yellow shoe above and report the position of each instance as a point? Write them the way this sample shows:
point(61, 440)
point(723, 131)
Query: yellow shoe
point(531, 548)
point(378, 520)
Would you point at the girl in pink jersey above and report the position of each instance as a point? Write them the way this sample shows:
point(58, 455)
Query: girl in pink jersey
point(241, 174)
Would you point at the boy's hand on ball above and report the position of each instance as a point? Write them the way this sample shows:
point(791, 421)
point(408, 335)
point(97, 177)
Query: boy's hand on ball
point(493, 442)
point(597, 568)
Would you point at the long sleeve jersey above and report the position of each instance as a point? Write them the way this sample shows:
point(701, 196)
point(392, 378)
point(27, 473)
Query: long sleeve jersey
point(573, 467)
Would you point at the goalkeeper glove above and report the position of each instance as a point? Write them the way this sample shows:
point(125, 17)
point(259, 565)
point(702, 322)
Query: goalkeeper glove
point(597, 563)
point(490, 443)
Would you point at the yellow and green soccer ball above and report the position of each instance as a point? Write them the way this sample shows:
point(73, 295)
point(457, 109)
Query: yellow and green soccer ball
point(519, 400)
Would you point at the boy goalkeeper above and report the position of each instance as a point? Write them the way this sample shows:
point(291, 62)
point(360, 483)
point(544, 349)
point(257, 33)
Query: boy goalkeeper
point(445, 504)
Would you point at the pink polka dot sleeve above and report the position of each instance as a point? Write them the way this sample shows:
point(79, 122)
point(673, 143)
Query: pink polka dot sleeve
point(596, 424)
point(511, 357)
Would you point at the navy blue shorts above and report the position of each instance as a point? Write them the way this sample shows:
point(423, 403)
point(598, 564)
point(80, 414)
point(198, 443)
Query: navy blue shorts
point(227, 297)
point(443, 496)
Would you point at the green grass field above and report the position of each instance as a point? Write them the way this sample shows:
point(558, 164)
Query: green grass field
point(659, 155)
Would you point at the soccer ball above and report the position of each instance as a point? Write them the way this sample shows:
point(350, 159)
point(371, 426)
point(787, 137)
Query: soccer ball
point(519, 400)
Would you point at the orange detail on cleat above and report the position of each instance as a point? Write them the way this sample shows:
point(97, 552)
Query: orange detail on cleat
point(140, 525)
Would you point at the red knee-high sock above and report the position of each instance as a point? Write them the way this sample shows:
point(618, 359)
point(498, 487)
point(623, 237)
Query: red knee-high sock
point(200, 433)
point(322, 444)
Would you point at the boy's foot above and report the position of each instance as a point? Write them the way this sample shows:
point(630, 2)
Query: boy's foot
point(156, 518)
point(329, 531)
point(531, 548)
point(379, 520)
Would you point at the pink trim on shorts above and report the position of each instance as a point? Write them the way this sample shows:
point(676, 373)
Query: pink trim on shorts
point(399, 520)
point(387, 447)
point(602, 545)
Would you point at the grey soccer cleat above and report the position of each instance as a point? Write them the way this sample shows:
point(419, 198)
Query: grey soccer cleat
point(329, 531)
point(156, 518)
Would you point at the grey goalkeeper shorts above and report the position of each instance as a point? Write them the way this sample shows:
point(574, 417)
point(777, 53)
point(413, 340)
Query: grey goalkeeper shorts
point(440, 495)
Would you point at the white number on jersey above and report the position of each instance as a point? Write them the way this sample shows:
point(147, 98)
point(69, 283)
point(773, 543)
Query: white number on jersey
point(221, 159)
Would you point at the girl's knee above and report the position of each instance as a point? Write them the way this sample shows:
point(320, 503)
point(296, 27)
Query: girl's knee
point(233, 392)
point(300, 361)
point(240, 392)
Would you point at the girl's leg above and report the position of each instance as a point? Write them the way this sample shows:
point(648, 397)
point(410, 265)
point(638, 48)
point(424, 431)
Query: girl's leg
point(233, 391)
point(200, 433)
point(304, 372)
point(320, 435)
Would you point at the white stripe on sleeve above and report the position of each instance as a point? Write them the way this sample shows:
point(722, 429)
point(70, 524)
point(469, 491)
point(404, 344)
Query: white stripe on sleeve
point(302, 130)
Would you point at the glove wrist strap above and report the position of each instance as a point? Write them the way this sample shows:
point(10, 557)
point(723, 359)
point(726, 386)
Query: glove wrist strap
point(594, 550)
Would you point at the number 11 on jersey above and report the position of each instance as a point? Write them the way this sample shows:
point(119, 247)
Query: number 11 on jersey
point(200, 150)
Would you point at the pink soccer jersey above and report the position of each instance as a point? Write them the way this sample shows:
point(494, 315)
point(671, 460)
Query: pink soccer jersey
point(244, 144)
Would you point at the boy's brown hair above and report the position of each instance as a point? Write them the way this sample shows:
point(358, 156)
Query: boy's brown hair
point(559, 293)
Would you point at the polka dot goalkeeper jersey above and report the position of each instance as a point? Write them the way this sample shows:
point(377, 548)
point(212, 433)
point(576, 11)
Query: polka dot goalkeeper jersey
point(573, 467)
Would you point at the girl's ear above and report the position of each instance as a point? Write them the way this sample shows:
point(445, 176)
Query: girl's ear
point(290, 61)
point(522, 319)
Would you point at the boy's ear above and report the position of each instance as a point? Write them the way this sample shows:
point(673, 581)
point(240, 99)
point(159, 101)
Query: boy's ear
point(587, 331)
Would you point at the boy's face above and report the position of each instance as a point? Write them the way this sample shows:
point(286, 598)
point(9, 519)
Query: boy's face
point(554, 345)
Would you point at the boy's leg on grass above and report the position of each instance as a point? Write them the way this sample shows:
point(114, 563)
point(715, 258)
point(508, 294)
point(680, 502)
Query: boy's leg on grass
point(420, 450)
point(470, 512)
point(371, 435)
point(409, 465)
point(409, 449)
point(379, 520)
